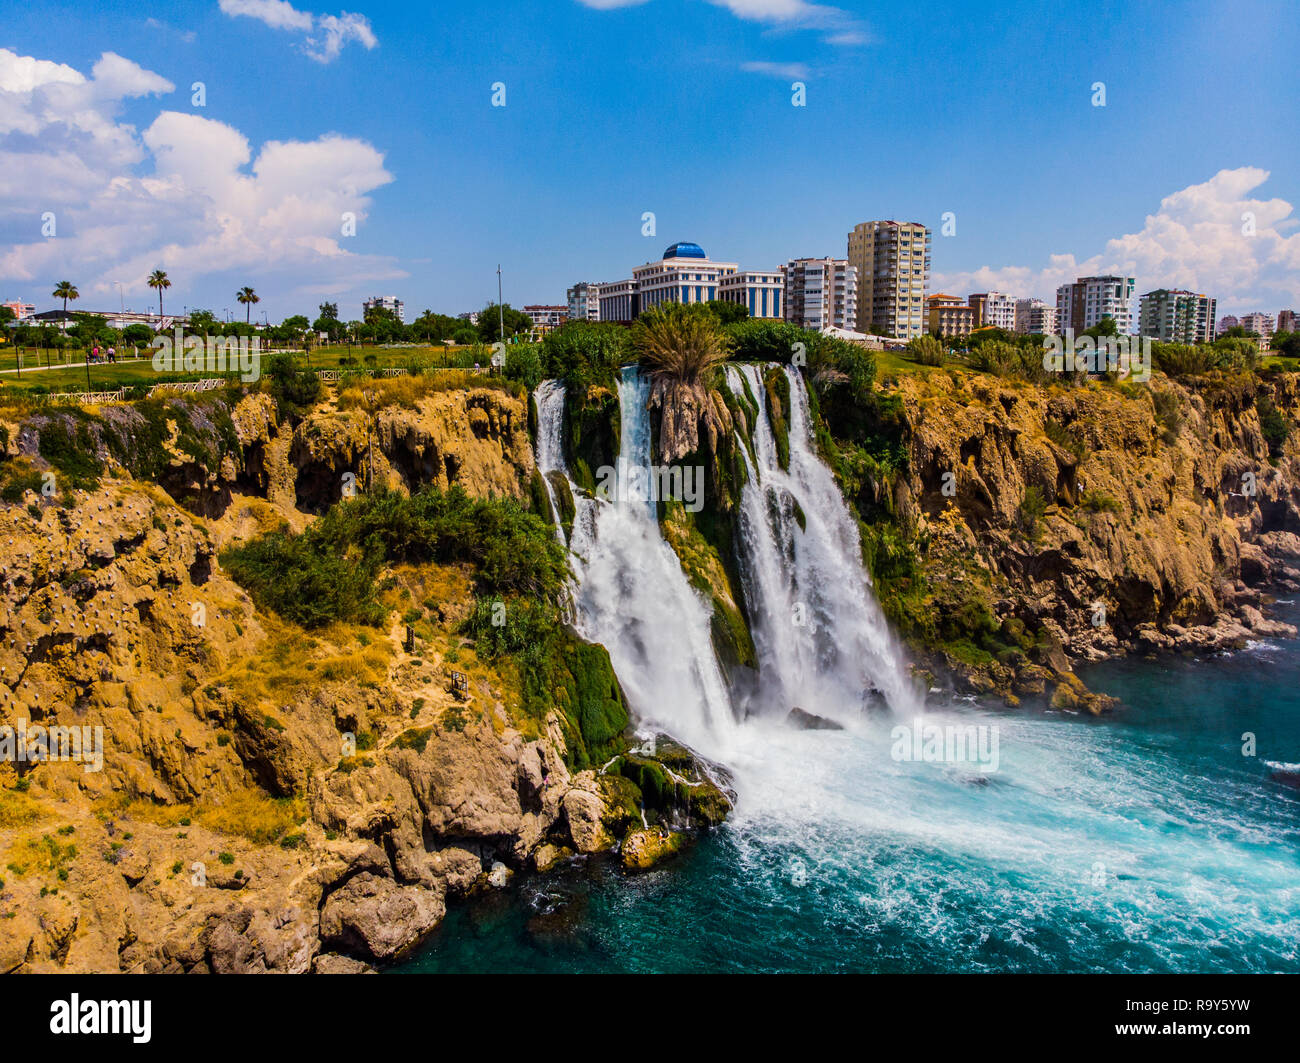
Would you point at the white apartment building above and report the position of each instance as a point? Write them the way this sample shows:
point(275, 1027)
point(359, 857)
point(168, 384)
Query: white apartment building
point(1035, 318)
point(1226, 323)
point(821, 293)
point(584, 301)
point(387, 302)
point(762, 293)
point(618, 301)
point(993, 310)
point(1172, 315)
point(893, 263)
point(1088, 300)
point(1259, 323)
point(22, 310)
point(547, 317)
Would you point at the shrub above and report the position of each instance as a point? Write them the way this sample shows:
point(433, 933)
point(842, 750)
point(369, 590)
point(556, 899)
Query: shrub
point(680, 343)
point(1272, 424)
point(1031, 511)
point(925, 350)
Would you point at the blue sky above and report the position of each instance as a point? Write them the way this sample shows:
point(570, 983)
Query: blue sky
point(679, 107)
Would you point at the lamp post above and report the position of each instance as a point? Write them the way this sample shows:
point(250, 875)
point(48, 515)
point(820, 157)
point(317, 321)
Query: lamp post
point(501, 313)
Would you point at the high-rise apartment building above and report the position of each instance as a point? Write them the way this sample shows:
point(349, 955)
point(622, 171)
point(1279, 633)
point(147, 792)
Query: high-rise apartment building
point(1227, 322)
point(387, 302)
point(948, 315)
point(760, 292)
point(893, 263)
point(1287, 321)
point(1259, 323)
point(993, 310)
point(584, 301)
point(1035, 318)
point(821, 293)
point(1088, 300)
point(1173, 315)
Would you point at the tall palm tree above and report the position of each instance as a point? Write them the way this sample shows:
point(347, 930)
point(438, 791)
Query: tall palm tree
point(248, 297)
point(678, 344)
point(158, 279)
point(66, 290)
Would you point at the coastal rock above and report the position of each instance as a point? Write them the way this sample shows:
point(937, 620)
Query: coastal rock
point(807, 721)
point(379, 917)
point(642, 849)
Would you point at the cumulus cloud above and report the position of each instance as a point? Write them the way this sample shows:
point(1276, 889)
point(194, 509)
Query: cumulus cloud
point(189, 194)
point(324, 35)
point(1196, 240)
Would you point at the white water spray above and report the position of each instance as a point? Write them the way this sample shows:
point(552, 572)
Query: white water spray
point(823, 643)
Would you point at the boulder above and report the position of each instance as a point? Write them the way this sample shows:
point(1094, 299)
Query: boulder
point(378, 917)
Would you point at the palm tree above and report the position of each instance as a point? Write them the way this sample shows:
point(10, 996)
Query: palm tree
point(248, 297)
point(66, 290)
point(678, 343)
point(158, 279)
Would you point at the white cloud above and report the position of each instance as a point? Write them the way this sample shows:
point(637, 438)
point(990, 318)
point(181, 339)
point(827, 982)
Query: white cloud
point(278, 14)
point(337, 32)
point(776, 70)
point(189, 194)
point(325, 34)
point(1193, 241)
point(840, 27)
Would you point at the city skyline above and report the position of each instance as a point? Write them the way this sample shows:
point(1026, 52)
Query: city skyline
point(249, 190)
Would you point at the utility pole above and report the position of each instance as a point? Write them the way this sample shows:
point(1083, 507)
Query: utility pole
point(501, 313)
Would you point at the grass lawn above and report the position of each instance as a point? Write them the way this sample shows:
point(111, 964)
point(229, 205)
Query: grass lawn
point(106, 377)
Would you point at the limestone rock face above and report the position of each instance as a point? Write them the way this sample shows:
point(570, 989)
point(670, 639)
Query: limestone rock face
point(643, 849)
point(585, 812)
point(261, 798)
point(1150, 538)
point(692, 419)
point(378, 916)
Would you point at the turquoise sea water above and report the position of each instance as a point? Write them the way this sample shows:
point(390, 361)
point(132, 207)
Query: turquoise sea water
point(1142, 842)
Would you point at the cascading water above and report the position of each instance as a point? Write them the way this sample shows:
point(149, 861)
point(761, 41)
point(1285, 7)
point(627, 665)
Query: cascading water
point(823, 643)
point(631, 594)
point(550, 443)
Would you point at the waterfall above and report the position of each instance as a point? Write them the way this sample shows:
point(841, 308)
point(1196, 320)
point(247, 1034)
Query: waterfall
point(631, 594)
point(823, 643)
point(550, 443)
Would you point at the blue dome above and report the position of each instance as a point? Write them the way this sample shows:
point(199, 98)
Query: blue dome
point(685, 251)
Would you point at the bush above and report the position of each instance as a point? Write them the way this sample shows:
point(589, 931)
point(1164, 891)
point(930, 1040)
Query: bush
point(1032, 509)
point(926, 350)
point(295, 389)
point(329, 571)
point(1272, 424)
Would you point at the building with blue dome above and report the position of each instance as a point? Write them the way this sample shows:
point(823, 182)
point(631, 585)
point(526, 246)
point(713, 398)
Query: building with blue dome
point(685, 274)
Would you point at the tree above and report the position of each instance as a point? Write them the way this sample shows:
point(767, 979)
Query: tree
point(1105, 327)
point(158, 279)
point(727, 312)
point(489, 327)
point(204, 321)
point(137, 335)
point(66, 290)
point(329, 311)
point(248, 297)
point(580, 351)
point(680, 343)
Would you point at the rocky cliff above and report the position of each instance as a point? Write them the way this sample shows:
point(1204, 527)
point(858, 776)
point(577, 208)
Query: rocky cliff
point(1014, 529)
point(269, 799)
